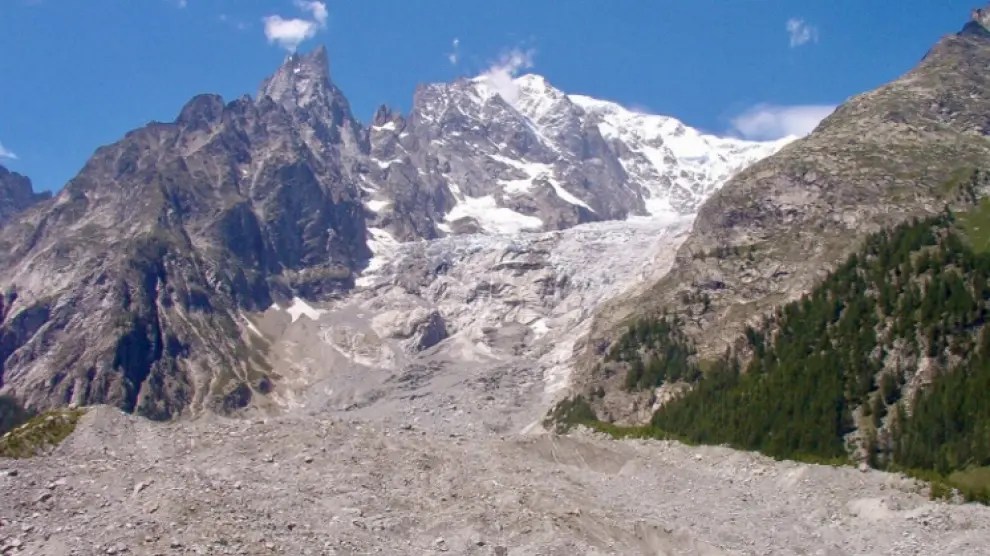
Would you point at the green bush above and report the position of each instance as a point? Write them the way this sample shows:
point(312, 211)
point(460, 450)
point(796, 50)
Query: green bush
point(40, 434)
point(569, 412)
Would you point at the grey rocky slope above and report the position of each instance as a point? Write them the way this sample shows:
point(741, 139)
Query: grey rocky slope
point(776, 228)
point(16, 195)
point(314, 485)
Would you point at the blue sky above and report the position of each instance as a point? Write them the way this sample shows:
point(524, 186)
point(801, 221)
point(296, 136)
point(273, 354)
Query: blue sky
point(77, 74)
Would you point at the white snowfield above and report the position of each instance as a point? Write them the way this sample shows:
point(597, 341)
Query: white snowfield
point(657, 150)
point(493, 218)
point(300, 308)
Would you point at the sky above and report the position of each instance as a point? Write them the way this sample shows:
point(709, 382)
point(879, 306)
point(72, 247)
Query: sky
point(78, 74)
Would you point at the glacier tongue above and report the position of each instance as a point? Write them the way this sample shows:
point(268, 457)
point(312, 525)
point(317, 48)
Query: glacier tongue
point(484, 324)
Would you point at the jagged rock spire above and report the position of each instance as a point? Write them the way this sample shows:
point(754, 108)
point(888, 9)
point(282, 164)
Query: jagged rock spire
point(302, 86)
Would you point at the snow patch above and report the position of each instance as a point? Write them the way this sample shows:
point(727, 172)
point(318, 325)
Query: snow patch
point(539, 327)
point(493, 218)
point(382, 245)
point(535, 171)
point(384, 164)
point(376, 205)
point(300, 308)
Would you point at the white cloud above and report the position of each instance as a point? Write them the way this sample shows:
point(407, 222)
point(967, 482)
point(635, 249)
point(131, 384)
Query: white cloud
point(767, 121)
point(454, 55)
point(318, 10)
point(500, 75)
point(290, 33)
point(4, 153)
point(801, 32)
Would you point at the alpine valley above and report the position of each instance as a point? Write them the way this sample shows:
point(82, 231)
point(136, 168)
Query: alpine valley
point(512, 321)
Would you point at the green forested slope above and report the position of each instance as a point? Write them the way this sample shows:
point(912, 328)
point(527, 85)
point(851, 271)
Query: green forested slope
point(888, 359)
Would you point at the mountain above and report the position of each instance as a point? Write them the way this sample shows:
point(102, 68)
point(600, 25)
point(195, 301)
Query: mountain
point(16, 194)
point(485, 155)
point(128, 289)
point(134, 286)
point(774, 230)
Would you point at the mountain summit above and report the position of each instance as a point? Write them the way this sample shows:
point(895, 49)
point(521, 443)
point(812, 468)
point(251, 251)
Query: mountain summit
point(129, 289)
point(303, 79)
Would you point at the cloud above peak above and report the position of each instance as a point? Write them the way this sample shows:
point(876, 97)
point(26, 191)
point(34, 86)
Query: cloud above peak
point(765, 122)
point(290, 33)
point(454, 56)
point(317, 10)
point(800, 32)
point(4, 153)
point(501, 73)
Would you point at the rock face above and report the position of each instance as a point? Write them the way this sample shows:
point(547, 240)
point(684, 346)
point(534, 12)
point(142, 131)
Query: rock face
point(774, 230)
point(16, 194)
point(128, 289)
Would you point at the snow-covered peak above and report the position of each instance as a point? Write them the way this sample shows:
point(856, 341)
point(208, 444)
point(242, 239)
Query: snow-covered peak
point(678, 165)
point(617, 122)
point(538, 100)
point(508, 154)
